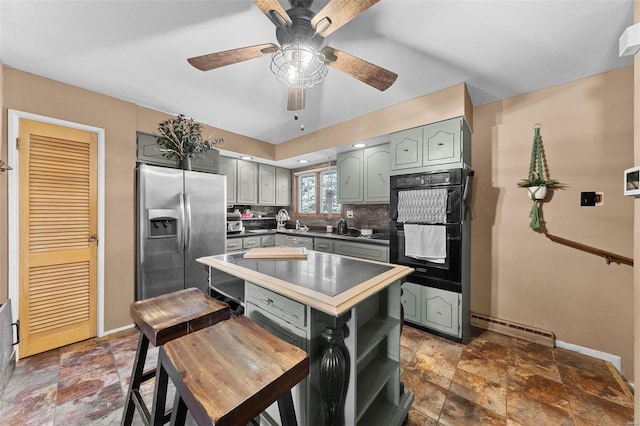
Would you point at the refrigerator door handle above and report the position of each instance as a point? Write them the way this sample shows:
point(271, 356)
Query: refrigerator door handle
point(181, 240)
point(187, 203)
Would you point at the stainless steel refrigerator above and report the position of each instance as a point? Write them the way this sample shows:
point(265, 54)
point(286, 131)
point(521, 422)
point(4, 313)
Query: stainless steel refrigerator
point(180, 216)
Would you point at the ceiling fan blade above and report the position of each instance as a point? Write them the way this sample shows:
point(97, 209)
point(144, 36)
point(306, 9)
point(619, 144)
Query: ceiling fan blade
point(296, 97)
point(274, 12)
point(228, 57)
point(366, 72)
point(337, 13)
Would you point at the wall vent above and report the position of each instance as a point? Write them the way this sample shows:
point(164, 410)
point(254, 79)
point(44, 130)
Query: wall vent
point(535, 335)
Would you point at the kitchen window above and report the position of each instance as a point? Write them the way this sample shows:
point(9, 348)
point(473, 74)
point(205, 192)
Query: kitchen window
point(315, 191)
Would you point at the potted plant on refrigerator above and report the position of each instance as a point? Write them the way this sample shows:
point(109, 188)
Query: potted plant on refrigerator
point(181, 138)
point(538, 181)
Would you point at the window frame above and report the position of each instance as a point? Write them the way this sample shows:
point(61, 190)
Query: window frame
point(318, 169)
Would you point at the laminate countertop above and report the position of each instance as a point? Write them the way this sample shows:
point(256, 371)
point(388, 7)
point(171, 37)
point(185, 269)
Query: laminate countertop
point(327, 282)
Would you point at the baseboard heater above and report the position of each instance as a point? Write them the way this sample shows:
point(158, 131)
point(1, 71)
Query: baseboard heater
point(535, 335)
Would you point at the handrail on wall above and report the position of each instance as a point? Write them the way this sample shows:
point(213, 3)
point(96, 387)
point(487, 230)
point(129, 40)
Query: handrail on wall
point(608, 256)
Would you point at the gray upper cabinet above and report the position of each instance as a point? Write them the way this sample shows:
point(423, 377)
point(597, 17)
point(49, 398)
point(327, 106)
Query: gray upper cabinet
point(266, 184)
point(283, 187)
point(350, 187)
point(406, 149)
point(363, 175)
point(247, 182)
point(148, 151)
point(208, 161)
point(377, 167)
point(442, 145)
point(229, 167)
point(254, 183)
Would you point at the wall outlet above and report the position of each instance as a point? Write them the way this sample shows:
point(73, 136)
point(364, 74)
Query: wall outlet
point(349, 214)
point(599, 198)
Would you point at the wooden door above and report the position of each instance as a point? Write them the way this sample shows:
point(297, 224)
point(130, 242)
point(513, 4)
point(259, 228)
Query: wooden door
point(58, 229)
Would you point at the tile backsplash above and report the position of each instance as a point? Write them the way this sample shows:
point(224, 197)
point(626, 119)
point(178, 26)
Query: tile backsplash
point(374, 216)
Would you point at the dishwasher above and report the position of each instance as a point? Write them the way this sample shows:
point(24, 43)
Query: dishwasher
point(287, 320)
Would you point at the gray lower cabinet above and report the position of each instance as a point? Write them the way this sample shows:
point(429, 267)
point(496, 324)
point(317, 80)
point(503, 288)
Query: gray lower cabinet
point(296, 241)
point(361, 250)
point(233, 244)
point(434, 308)
point(411, 302)
point(267, 240)
point(251, 242)
point(229, 167)
point(247, 182)
point(323, 244)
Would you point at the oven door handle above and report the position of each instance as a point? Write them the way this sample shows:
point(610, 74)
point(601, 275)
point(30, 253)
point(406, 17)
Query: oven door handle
point(466, 196)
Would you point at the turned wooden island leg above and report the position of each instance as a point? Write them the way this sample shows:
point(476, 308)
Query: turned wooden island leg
point(334, 371)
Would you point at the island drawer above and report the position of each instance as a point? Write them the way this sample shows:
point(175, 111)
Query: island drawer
point(280, 306)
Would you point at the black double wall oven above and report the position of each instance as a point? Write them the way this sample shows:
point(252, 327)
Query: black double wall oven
point(418, 192)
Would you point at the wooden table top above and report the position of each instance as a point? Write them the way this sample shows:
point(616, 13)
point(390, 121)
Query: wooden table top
point(233, 371)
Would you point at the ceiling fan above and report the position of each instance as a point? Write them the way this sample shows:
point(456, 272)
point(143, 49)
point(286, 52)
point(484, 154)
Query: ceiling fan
point(301, 33)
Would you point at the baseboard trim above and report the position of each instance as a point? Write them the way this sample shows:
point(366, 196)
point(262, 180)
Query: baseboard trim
point(613, 359)
point(510, 328)
point(117, 330)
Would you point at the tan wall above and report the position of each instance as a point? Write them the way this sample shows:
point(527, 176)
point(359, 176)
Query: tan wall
point(446, 103)
point(520, 275)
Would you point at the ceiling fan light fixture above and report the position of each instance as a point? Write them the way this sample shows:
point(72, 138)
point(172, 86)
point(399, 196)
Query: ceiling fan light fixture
point(298, 65)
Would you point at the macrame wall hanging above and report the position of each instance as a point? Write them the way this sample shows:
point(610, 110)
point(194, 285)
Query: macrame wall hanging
point(537, 182)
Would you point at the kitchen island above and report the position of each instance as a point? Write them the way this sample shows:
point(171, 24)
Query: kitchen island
point(345, 313)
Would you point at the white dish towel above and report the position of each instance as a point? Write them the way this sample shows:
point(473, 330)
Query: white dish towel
point(426, 242)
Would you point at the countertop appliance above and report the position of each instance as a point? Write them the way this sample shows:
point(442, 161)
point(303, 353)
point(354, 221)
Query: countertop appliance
point(342, 227)
point(234, 223)
point(180, 216)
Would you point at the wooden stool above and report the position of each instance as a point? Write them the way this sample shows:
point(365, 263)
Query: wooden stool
point(229, 373)
point(160, 320)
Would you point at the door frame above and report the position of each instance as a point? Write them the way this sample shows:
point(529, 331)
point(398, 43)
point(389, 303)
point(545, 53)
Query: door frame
point(14, 117)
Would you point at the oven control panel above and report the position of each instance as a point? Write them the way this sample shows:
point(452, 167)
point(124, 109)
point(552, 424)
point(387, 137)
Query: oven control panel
point(417, 180)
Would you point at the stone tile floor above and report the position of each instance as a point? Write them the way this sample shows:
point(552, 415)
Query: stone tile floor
point(494, 380)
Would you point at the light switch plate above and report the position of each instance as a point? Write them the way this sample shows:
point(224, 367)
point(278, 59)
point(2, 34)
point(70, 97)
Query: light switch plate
point(349, 214)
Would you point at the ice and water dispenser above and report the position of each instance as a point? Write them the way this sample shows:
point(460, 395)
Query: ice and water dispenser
point(163, 223)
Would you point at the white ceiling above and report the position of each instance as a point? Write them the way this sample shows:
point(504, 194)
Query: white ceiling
point(137, 50)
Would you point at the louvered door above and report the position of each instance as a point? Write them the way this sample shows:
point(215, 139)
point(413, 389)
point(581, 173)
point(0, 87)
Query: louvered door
point(58, 228)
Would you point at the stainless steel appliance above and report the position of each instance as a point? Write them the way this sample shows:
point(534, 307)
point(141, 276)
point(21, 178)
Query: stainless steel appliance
point(180, 217)
point(234, 223)
point(437, 200)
